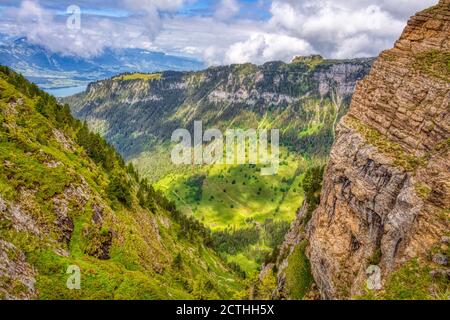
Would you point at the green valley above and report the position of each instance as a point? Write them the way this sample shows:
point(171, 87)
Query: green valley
point(248, 213)
point(233, 198)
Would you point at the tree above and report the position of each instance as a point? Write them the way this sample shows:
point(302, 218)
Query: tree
point(119, 189)
point(178, 262)
point(312, 185)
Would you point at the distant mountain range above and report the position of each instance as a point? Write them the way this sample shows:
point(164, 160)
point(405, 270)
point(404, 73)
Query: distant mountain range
point(54, 70)
point(298, 97)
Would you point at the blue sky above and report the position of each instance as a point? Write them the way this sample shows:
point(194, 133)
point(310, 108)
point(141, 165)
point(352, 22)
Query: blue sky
point(216, 31)
point(248, 9)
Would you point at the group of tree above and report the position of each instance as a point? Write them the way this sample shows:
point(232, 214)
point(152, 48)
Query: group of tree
point(190, 228)
point(312, 185)
point(46, 104)
point(275, 232)
point(195, 184)
point(98, 149)
point(233, 241)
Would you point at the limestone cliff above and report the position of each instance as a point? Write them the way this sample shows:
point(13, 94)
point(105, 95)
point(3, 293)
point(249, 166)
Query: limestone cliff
point(386, 192)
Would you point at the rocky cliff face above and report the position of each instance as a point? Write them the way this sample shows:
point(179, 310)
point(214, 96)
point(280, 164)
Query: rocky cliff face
point(386, 191)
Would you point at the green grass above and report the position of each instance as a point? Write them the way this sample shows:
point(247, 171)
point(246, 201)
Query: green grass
point(246, 69)
point(434, 63)
point(313, 129)
point(249, 265)
point(139, 76)
point(298, 273)
point(311, 61)
point(375, 258)
point(412, 282)
point(423, 190)
point(99, 280)
point(235, 196)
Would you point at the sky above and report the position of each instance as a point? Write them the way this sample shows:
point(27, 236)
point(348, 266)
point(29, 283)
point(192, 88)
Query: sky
point(214, 31)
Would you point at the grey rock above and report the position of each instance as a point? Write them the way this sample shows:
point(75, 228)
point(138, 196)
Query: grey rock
point(371, 198)
point(445, 240)
point(441, 259)
point(14, 270)
point(3, 206)
point(440, 273)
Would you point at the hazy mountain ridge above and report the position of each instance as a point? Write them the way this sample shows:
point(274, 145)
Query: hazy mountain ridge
point(53, 70)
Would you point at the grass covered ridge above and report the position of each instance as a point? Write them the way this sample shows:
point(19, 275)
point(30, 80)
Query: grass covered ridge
point(138, 76)
point(298, 273)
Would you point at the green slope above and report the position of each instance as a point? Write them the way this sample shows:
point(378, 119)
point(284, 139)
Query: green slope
point(67, 198)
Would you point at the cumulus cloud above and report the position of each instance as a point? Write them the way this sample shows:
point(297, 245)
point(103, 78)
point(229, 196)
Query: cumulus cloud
point(204, 37)
point(261, 48)
point(48, 27)
point(332, 28)
point(344, 29)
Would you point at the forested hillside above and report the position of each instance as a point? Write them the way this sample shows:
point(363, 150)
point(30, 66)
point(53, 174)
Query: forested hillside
point(68, 199)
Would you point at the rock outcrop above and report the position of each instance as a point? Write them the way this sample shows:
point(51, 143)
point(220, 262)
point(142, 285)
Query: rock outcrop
point(16, 275)
point(386, 191)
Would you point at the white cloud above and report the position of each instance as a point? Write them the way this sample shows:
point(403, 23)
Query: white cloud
point(151, 10)
point(333, 28)
point(261, 48)
point(227, 9)
point(46, 27)
point(204, 37)
point(339, 28)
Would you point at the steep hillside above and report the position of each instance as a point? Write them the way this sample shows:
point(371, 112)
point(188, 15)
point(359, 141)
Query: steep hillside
point(385, 199)
point(249, 212)
point(67, 199)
